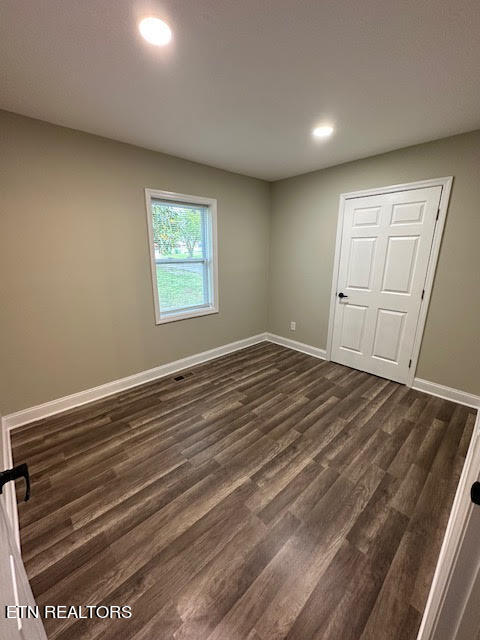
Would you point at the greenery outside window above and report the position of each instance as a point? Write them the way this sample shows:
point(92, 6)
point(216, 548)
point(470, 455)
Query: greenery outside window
point(183, 238)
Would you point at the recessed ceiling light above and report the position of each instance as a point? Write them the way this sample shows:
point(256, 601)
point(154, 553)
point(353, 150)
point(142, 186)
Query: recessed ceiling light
point(155, 31)
point(323, 132)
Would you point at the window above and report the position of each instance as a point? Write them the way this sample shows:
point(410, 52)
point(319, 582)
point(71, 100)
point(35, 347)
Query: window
point(183, 237)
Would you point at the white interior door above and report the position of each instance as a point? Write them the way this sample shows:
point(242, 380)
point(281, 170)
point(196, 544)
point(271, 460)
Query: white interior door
point(15, 588)
point(385, 249)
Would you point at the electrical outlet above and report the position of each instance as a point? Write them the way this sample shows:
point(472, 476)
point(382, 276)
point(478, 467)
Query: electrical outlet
point(293, 326)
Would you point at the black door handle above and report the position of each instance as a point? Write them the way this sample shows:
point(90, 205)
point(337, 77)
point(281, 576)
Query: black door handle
point(20, 471)
point(342, 295)
point(475, 493)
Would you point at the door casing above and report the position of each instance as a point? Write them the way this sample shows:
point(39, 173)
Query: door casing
point(447, 608)
point(446, 184)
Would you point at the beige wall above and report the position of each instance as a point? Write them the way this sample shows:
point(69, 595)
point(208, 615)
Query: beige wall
point(304, 219)
point(75, 283)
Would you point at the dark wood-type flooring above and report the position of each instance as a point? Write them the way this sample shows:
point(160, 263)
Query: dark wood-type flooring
point(265, 495)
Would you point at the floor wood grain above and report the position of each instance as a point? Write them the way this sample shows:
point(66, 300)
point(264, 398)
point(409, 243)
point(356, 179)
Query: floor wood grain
point(264, 495)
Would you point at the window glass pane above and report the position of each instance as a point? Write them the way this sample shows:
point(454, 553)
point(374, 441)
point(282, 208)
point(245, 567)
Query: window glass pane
point(182, 254)
point(178, 230)
point(181, 285)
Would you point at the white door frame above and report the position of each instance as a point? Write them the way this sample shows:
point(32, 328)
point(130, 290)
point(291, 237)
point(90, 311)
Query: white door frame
point(10, 497)
point(446, 184)
point(443, 599)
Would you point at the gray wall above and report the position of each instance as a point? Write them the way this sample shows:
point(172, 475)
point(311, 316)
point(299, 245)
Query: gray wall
point(304, 219)
point(77, 305)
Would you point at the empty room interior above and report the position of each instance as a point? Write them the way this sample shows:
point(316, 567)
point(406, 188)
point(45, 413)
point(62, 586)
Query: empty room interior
point(239, 325)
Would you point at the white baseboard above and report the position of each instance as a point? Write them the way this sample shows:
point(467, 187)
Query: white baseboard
point(448, 393)
point(316, 352)
point(46, 409)
point(17, 419)
point(5, 458)
point(432, 388)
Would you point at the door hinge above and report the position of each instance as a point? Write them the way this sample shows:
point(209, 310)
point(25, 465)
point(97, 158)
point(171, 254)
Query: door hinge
point(438, 213)
point(423, 294)
point(409, 364)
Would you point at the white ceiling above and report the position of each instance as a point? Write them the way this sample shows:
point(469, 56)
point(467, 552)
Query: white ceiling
point(244, 81)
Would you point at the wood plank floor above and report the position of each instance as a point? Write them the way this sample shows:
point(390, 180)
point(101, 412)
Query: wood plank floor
point(265, 495)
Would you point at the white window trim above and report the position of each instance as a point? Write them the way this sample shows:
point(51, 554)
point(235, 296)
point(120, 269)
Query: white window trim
point(211, 203)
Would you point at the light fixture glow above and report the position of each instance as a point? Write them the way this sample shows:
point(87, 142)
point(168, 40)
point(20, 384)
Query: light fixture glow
point(323, 132)
point(155, 31)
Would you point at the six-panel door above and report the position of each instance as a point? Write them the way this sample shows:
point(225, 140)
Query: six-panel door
point(385, 248)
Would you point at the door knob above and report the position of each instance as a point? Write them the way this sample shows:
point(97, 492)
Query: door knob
point(342, 295)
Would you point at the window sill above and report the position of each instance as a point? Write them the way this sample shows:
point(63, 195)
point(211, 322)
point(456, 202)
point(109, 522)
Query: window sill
point(185, 315)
